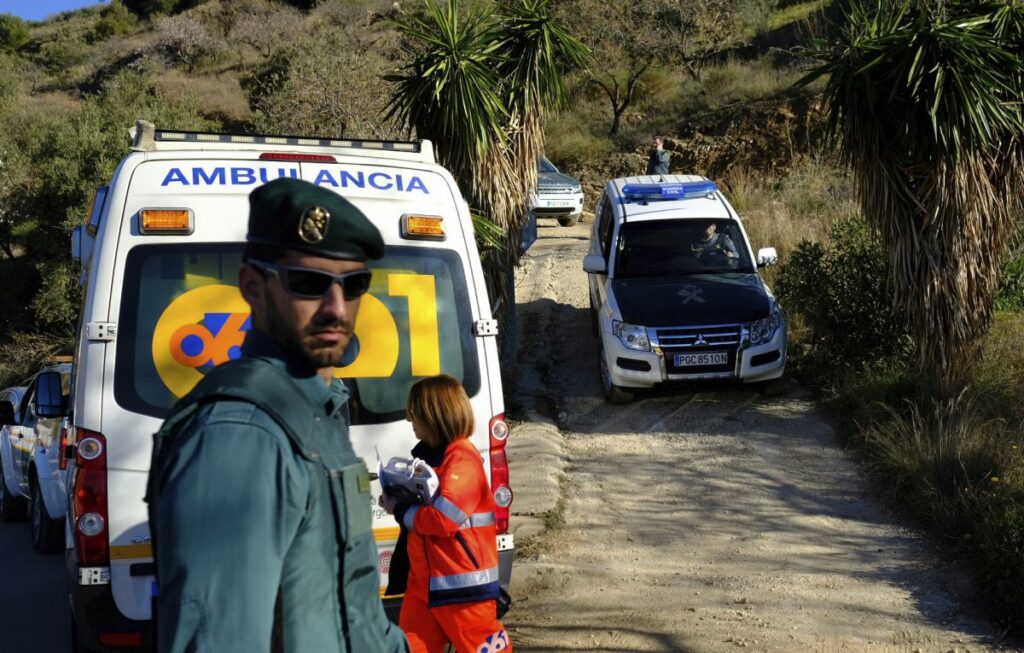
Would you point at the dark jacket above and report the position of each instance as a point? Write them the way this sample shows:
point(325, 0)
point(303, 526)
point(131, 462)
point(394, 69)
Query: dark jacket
point(657, 162)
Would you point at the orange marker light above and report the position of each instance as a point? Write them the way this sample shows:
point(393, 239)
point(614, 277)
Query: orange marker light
point(165, 221)
point(423, 227)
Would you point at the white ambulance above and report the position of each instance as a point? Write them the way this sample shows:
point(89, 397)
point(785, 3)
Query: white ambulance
point(160, 257)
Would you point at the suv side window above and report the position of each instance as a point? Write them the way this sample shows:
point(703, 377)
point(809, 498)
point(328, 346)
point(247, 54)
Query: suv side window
point(604, 227)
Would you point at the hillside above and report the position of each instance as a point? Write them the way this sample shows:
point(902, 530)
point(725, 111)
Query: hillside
point(70, 86)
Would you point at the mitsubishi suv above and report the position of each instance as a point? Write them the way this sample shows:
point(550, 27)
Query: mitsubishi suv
point(675, 293)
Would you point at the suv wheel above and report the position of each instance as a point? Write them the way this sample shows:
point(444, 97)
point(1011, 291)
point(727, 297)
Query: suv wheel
point(47, 534)
point(12, 508)
point(570, 221)
point(613, 393)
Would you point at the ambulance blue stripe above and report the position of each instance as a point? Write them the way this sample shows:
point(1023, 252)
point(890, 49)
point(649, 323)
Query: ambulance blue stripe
point(450, 510)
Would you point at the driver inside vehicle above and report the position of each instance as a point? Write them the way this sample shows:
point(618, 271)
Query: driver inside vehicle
point(715, 248)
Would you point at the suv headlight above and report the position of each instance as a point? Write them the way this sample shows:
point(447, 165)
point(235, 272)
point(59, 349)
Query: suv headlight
point(632, 336)
point(764, 329)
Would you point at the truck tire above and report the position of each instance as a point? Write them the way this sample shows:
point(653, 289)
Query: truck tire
point(570, 221)
point(612, 393)
point(12, 508)
point(47, 533)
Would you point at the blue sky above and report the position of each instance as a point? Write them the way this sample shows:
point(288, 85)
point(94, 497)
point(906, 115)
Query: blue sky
point(40, 9)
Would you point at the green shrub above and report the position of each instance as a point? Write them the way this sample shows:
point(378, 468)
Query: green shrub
point(57, 161)
point(147, 8)
point(958, 473)
point(840, 289)
point(998, 544)
point(114, 19)
point(14, 33)
point(63, 52)
point(570, 143)
point(1011, 285)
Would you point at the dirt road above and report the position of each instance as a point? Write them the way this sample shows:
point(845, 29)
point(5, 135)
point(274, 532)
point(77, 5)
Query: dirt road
point(709, 520)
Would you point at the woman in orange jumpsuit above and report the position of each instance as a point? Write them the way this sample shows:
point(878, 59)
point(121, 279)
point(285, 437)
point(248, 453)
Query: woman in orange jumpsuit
point(452, 543)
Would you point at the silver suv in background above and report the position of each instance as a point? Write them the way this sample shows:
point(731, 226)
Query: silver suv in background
point(557, 196)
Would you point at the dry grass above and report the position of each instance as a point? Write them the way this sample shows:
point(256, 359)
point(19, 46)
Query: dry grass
point(221, 94)
point(802, 205)
point(742, 81)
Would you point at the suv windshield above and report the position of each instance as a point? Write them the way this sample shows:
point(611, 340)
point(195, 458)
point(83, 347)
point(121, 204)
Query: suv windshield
point(672, 247)
point(182, 314)
point(543, 165)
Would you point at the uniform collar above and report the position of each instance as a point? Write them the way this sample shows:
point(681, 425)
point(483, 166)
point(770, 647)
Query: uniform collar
point(333, 398)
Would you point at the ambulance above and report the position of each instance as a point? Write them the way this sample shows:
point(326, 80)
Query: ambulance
point(159, 258)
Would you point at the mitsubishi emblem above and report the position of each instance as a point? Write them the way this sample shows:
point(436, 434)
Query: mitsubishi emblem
point(700, 341)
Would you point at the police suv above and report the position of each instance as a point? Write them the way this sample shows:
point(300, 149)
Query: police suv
point(160, 257)
point(674, 290)
point(32, 465)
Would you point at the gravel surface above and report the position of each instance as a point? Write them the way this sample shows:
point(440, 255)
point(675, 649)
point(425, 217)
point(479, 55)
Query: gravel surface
point(707, 519)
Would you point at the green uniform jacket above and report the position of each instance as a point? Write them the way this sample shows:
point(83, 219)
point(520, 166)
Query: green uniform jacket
point(262, 535)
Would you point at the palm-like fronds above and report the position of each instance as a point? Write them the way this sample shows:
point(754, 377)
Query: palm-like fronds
point(925, 103)
point(479, 90)
point(450, 90)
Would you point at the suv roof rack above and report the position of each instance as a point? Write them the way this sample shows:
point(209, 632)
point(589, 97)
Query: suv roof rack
point(146, 137)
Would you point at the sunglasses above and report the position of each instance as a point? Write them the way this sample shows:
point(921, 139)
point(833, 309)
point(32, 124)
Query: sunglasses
point(312, 284)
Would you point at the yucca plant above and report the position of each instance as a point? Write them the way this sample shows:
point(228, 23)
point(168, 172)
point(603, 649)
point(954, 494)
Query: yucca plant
point(478, 85)
point(924, 100)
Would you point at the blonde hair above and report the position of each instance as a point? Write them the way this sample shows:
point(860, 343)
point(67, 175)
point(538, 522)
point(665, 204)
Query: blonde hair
point(441, 406)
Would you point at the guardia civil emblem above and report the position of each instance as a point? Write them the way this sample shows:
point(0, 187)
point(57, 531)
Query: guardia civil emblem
point(313, 224)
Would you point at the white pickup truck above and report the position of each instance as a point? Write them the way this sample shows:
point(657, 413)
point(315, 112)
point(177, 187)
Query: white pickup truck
point(32, 469)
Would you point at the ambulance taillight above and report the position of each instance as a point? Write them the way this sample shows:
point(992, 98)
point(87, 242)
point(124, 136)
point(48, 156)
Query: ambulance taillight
point(89, 500)
point(498, 430)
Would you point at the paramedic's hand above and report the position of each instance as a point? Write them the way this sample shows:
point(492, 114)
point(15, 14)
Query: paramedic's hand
point(388, 503)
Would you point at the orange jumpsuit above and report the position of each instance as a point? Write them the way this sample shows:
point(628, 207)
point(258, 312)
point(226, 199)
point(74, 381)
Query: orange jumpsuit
point(453, 562)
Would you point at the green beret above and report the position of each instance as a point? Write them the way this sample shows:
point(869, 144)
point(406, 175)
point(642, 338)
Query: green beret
point(295, 214)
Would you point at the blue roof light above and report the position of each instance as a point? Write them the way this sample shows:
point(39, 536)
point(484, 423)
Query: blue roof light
point(673, 191)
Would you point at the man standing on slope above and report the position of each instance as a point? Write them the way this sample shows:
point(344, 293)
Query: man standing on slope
point(658, 159)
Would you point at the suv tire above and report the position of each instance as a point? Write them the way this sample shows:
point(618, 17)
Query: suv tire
point(612, 393)
point(47, 534)
point(12, 508)
point(570, 221)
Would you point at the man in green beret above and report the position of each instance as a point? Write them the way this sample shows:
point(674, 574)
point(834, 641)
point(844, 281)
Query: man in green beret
point(258, 506)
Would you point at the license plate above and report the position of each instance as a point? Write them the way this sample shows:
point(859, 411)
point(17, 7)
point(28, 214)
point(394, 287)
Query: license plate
point(703, 358)
point(557, 203)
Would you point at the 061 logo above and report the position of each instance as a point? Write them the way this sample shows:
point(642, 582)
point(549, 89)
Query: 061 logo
point(206, 326)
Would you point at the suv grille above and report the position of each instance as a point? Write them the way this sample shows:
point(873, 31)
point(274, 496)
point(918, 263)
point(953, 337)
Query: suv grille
point(695, 340)
point(555, 190)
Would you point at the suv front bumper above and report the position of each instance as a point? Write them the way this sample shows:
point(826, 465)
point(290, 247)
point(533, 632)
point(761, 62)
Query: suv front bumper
point(629, 368)
point(556, 205)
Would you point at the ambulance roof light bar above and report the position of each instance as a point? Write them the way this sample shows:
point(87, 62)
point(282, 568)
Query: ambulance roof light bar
point(669, 191)
point(145, 137)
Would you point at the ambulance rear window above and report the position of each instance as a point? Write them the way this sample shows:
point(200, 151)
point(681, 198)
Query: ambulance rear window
point(181, 314)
